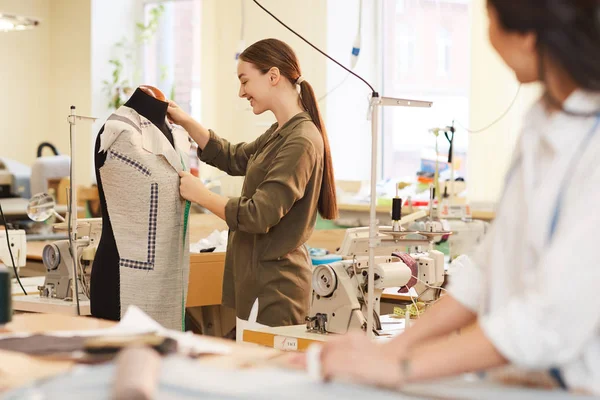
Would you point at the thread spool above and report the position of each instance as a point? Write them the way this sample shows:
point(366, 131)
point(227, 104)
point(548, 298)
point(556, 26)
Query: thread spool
point(313, 362)
point(5, 296)
point(411, 263)
point(396, 209)
point(137, 374)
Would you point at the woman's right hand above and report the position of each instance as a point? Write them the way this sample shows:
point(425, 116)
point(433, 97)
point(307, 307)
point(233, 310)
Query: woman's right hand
point(356, 358)
point(176, 115)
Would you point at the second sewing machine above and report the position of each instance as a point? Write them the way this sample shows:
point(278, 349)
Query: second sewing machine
point(404, 259)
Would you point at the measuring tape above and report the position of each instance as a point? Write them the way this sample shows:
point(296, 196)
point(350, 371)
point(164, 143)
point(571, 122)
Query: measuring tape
point(186, 215)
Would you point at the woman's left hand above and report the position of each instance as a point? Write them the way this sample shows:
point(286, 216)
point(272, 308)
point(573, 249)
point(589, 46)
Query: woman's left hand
point(355, 358)
point(190, 187)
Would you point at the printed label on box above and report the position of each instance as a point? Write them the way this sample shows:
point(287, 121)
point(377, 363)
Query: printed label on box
point(285, 343)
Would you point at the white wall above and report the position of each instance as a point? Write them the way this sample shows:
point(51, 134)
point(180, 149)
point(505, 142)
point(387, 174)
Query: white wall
point(25, 83)
point(45, 71)
point(493, 87)
point(70, 66)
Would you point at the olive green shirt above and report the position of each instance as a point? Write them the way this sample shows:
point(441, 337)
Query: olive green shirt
point(272, 219)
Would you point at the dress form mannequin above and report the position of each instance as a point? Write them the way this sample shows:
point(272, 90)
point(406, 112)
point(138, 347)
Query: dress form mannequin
point(114, 271)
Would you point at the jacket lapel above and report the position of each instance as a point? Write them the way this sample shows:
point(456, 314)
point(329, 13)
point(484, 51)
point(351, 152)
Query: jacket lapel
point(154, 141)
point(182, 144)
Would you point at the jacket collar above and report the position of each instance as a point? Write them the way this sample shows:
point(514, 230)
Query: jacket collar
point(154, 141)
point(289, 126)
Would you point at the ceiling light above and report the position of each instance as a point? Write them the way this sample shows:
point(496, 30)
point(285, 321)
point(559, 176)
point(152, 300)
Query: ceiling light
point(10, 22)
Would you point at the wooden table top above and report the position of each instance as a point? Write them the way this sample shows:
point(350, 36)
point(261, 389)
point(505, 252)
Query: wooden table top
point(202, 225)
point(17, 369)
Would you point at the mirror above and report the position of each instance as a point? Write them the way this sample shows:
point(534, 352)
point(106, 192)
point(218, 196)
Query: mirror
point(41, 207)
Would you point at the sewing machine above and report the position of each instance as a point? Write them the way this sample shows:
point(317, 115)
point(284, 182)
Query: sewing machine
point(14, 179)
point(338, 302)
point(59, 263)
point(56, 293)
point(18, 246)
point(467, 232)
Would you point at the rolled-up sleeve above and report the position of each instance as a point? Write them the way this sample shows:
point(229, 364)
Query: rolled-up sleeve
point(284, 184)
point(466, 283)
point(231, 212)
point(229, 158)
point(557, 316)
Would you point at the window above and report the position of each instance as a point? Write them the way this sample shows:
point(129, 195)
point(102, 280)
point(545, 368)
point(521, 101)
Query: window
point(399, 56)
point(444, 46)
point(347, 102)
point(433, 39)
point(399, 6)
point(171, 58)
point(405, 39)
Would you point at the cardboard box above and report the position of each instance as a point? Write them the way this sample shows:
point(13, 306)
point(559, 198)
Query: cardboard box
point(205, 286)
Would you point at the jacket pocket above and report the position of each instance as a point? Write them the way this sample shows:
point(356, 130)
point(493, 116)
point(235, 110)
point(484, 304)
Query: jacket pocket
point(134, 224)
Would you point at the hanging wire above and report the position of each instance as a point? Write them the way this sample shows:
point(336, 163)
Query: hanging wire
point(315, 47)
point(500, 118)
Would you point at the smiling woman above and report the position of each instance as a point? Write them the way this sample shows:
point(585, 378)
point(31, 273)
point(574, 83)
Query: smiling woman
point(272, 56)
point(288, 178)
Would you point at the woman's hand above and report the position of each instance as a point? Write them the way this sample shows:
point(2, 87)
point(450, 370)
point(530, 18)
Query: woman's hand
point(355, 358)
point(176, 115)
point(190, 187)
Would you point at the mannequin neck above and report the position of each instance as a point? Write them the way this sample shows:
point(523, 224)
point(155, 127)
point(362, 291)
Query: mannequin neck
point(152, 109)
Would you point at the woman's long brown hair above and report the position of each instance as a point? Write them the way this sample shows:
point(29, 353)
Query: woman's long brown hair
point(269, 53)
